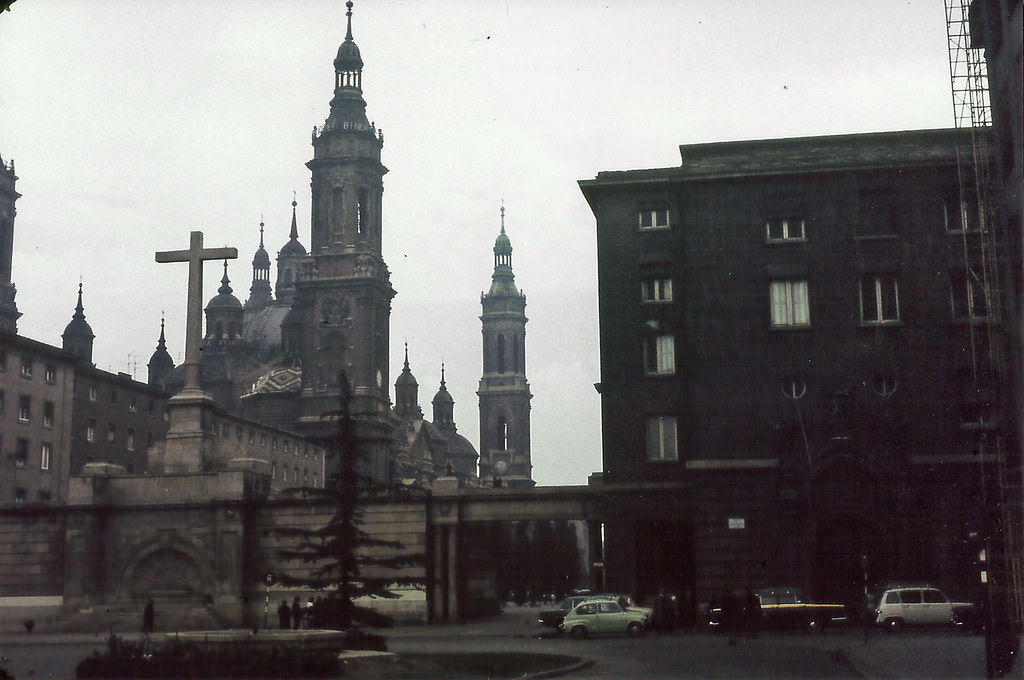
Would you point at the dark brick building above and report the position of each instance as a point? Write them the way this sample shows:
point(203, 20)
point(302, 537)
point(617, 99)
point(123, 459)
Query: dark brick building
point(787, 331)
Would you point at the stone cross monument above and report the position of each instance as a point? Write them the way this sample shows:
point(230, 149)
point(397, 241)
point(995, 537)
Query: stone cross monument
point(190, 436)
point(194, 311)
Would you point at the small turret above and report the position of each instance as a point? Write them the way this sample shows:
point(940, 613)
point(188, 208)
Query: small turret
point(78, 335)
point(223, 314)
point(160, 364)
point(260, 294)
point(407, 392)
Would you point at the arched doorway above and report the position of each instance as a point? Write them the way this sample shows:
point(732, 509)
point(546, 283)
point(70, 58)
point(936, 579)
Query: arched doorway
point(166, 572)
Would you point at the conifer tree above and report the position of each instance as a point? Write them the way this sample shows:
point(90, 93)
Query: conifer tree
point(348, 563)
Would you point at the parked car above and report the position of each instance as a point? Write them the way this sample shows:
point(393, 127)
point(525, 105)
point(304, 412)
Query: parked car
point(779, 607)
point(599, 617)
point(553, 617)
point(919, 605)
point(626, 602)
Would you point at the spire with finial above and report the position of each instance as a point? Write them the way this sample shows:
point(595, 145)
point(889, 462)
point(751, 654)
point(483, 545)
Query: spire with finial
point(407, 392)
point(348, 66)
point(503, 258)
point(161, 363)
point(78, 335)
point(225, 282)
point(260, 294)
point(444, 405)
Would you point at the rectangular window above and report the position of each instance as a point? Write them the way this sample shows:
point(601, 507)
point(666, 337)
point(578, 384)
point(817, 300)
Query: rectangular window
point(51, 374)
point(21, 453)
point(659, 354)
point(273, 444)
point(653, 218)
point(263, 440)
point(876, 212)
point(959, 210)
point(19, 495)
point(273, 470)
point(26, 369)
point(967, 294)
point(150, 408)
point(111, 433)
point(133, 404)
point(48, 410)
point(92, 393)
point(879, 298)
point(316, 480)
point(46, 453)
point(661, 438)
point(784, 228)
point(130, 443)
point(789, 305)
point(24, 409)
point(287, 446)
point(90, 431)
point(658, 289)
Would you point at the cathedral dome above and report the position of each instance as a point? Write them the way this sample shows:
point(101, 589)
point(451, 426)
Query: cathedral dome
point(261, 260)
point(348, 58)
point(292, 249)
point(224, 300)
point(502, 244)
point(78, 327)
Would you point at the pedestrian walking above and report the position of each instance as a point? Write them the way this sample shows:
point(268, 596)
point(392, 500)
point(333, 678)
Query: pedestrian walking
point(296, 614)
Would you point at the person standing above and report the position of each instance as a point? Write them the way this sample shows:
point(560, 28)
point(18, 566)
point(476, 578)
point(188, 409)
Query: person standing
point(284, 615)
point(296, 614)
point(148, 617)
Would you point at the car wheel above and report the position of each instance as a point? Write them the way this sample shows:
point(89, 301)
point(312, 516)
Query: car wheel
point(635, 629)
point(579, 632)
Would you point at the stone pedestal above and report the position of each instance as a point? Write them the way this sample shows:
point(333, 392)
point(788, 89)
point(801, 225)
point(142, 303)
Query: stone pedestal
point(191, 435)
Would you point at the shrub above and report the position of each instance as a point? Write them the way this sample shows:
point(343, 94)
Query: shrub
point(175, 659)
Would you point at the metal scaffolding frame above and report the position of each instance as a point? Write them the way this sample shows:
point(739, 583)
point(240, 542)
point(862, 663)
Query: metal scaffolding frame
point(982, 252)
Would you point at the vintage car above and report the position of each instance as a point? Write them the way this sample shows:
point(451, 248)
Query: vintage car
point(781, 607)
point(553, 617)
point(603, 617)
point(921, 605)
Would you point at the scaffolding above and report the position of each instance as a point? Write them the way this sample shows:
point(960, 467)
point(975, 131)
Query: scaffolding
point(982, 234)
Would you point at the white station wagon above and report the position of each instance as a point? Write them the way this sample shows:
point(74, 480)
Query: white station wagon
point(917, 605)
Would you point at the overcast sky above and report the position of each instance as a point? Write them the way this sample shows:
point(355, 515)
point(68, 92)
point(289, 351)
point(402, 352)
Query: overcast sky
point(133, 122)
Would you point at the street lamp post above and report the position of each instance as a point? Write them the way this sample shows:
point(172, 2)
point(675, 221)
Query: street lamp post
point(268, 580)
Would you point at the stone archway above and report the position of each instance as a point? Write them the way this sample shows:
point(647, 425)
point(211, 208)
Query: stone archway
point(167, 570)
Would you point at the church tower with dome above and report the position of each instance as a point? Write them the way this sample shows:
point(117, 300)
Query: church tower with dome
point(504, 392)
point(342, 303)
point(8, 308)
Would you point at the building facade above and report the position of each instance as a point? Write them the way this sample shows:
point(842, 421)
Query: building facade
point(787, 331)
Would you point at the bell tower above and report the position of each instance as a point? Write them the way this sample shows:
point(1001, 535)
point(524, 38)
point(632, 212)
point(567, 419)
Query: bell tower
point(343, 290)
point(504, 392)
point(8, 308)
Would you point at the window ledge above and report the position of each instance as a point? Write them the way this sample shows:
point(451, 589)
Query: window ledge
point(783, 241)
point(794, 327)
point(889, 236)
point(660, 375)
point(877, 324)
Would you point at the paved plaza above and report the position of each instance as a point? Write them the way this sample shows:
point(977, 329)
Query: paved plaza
point(837, 654)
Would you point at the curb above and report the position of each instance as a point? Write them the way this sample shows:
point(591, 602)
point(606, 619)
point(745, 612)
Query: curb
point(557, 672)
